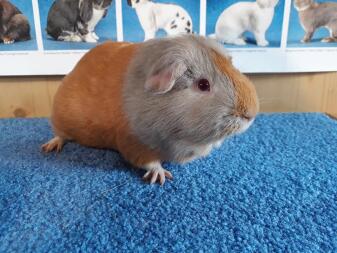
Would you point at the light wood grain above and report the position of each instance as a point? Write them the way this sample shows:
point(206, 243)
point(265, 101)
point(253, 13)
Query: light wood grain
point(314, 92)
point(27, 96)
point(310, 92)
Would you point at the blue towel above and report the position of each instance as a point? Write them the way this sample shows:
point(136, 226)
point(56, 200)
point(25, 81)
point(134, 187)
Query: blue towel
point(271, 189)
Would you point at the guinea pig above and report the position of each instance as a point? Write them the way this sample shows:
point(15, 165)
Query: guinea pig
point(170, 99)
point(315, 15)
point(75, 20)
point(14, 26)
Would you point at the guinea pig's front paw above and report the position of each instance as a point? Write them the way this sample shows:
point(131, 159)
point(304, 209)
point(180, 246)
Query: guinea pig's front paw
point(155, 172)
point(56, 143)
point(8, 40)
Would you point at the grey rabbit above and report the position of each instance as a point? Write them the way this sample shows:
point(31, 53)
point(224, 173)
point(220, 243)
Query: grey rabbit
point(314, 15)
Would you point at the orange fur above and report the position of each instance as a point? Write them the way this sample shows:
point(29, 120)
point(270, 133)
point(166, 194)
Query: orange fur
point(246, 97)
point(88, 106)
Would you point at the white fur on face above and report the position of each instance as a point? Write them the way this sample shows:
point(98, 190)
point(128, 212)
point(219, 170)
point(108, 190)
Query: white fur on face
point(244, 125)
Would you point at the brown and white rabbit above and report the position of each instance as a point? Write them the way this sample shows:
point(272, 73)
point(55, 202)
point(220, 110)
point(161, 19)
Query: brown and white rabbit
point(315, 15)
point(14, 26)
point(170, 99)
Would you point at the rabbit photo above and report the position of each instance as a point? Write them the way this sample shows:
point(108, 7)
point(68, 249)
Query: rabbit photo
point(238, 18)
point(314, 15)
point(75, 20)
point(14, 26)
point(171, 18)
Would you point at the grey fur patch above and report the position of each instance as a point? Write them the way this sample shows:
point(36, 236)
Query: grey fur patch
point(183, 119)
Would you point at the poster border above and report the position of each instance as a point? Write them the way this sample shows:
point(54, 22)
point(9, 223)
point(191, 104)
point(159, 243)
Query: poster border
point(281, 59)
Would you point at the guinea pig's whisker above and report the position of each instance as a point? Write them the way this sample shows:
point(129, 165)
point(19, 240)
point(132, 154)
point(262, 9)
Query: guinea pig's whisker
point(228, 105)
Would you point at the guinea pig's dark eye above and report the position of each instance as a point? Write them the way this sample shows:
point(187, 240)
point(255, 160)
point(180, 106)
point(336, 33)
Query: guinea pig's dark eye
point(203, 85)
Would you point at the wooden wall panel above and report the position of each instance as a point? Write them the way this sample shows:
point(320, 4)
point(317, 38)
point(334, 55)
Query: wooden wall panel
point(314, 92)
point(331, 96)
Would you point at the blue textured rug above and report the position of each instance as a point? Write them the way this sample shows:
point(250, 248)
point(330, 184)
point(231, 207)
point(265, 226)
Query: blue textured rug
point(272, 189)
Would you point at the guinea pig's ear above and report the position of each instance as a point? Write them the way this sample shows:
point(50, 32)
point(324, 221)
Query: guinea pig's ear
point(129, 3)
point(86, 9)
point(163, 80)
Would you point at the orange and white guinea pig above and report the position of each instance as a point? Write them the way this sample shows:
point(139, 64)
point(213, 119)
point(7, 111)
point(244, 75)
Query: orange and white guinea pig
point(170, 99)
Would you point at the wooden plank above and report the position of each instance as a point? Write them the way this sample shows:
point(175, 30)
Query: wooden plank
point(33, 96)
point(277, 93)
point(331, 94)
point(16, 98)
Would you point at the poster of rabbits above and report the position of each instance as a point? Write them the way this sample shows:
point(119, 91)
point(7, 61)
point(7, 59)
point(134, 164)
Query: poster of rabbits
point(49, 37)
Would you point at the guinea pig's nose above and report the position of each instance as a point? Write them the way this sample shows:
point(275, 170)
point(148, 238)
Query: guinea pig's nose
point(247, 117)
point(249, 114)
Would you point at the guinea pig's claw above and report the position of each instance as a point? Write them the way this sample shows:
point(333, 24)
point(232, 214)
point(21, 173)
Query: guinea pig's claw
point(54, 144)
point(157, 174)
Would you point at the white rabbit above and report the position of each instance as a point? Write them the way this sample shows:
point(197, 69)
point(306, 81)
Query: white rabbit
point(154, 16)
point(255, 17)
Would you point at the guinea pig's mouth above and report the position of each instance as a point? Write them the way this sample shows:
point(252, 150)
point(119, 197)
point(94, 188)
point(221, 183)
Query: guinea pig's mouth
point(240, 125)
point(244, 125)
point(233, 126)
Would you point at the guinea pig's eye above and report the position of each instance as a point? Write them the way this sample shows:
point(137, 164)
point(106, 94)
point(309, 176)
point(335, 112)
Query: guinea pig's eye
point(203, 85)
